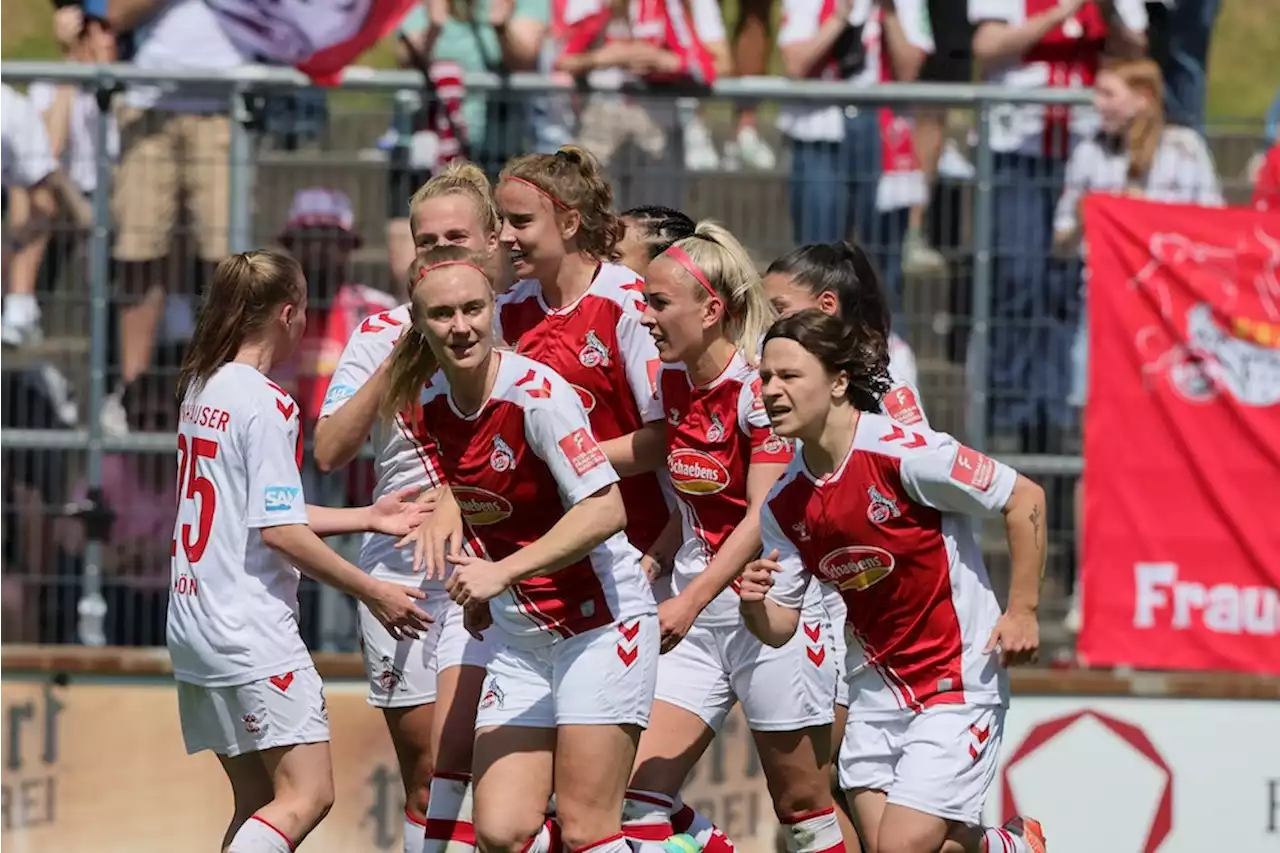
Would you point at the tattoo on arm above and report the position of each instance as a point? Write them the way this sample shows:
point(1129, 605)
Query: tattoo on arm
point(1035, 523)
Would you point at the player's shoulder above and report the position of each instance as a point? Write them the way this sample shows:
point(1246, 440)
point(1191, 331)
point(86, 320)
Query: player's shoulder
point(620, 287)
point(522, 291)
point(883, 437)
point(794, 484)
point(384, 327)
point(531, 384)
point(243, 391)
point(902, 404)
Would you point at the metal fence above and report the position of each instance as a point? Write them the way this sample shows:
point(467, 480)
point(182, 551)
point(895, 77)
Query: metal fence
point(268, 134)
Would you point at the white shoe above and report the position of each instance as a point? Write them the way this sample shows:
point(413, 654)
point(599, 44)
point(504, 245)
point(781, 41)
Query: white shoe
point(20, 320)
point(114, 419)
point(699, 149)
point(919, 258)
point(749, 150)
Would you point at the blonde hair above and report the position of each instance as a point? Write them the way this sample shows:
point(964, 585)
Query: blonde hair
point(412, 363)
point(460, 177)
point(573, 180)
point(247, 293)
point(1143, 137)
point(733, 276)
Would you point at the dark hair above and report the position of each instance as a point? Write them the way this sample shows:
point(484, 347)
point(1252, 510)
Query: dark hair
point(573, 180)
point(662, 226)
point(862, 354)
point(842, 268)
point(247, 292)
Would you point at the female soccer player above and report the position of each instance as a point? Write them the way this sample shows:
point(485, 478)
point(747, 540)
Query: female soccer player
point(410, 679)
point(649, 231)
point(570, 686)
point(247, 689)
point(879, 511)
point(707, 313)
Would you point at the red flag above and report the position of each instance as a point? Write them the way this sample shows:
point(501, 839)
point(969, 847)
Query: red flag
point(1181, 564)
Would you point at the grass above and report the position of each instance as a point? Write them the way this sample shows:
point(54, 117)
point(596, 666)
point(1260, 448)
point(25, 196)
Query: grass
point(1243, 59)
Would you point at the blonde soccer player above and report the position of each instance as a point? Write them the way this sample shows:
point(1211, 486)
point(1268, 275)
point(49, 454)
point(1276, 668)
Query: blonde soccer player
point(881, 511)
point(247, 688)
point(571, 684)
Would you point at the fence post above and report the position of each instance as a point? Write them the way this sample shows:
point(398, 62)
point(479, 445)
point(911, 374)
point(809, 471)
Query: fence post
point(240, 155)
point(979, 348)
point(91, 609)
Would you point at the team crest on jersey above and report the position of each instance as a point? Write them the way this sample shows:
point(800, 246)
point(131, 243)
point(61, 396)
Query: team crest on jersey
point(715, 432)
point(594, 353)
point(801, 530)
point(673, 416)
point(390, 677)
point(501, 458)
point(880, 509)
point(493, 695)
point(775, 444)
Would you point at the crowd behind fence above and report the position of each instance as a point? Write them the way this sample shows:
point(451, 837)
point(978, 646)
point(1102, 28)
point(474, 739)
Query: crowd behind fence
point(70, 576)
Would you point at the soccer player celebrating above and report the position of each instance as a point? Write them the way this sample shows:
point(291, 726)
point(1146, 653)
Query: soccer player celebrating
point(570, 687)
point(879, 511)
point(424, 685)
point(707, 312)
point(247, 688)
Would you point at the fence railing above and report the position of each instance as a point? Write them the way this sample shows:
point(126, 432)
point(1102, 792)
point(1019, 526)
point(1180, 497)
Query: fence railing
point(238, 85)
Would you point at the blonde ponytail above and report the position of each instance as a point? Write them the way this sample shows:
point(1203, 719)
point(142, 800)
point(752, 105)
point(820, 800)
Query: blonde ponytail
point(733, 276)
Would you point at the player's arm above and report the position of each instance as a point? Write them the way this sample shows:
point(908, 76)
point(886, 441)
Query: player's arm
point(774, 586)
point(646, 448)
point(397, 514)
point(660, 557)
point(996, 40)
point(804, 42)
point(346, 421)
point(589, 522)
point(1025, 528)
point(638, 452)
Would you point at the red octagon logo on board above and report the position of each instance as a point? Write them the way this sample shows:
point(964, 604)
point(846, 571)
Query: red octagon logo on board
point(1043, 734)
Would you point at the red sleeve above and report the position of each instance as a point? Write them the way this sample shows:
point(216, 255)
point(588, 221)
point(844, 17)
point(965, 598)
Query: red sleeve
point(1266, 191)
point(582, 35)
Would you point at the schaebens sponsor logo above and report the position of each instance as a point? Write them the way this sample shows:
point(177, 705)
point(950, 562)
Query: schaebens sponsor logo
point(481, 506)
point(281, 498)
point(857, 567)
point(338, 394)
point(696, 473)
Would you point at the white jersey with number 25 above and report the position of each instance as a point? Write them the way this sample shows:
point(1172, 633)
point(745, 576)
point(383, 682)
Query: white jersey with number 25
point(233, 602)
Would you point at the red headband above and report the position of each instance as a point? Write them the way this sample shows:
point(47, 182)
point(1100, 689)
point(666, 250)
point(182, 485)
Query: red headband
point(681, 257)
point(555, 201)
point(475, 267)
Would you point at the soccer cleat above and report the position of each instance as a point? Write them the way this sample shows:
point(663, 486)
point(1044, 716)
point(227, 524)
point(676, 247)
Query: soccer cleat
point(682, 843)
point(1029, 830)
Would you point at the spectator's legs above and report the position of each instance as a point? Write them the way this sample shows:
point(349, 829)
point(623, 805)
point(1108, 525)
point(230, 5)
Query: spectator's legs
point(1190, 31)
point(929, 136)
point(881, 233)
point(752, 46)
point(821, 189)
point(30, 214)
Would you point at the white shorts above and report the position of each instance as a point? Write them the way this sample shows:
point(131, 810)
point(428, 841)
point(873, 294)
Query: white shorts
point(283, 710)
point(940, 762)
point(402, 674)
point(602, 677)
point(781, 690)
point(837, 613)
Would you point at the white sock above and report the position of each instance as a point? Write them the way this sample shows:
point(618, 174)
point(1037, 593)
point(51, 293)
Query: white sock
point(646, 816)
point(707, 834)
point(999, 840)
point(612, 844)
point(545, 840)
point(816, 832)
point(449, 828)
point(258, 836)
point(414, 831)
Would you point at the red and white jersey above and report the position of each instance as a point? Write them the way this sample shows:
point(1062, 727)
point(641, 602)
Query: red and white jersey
point(598, 345)
point(1067, 57)
point(233, 602)
point(714, 434)
point(400, 461)
point(529, 442)
point(890, 529)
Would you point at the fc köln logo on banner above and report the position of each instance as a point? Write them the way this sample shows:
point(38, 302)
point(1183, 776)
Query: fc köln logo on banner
point(1181, 563)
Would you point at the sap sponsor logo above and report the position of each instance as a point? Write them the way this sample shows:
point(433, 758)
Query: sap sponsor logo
point(694, 472)
point(481, 506)
point(857, 567)
point(280, 498)
point(1162, 599)
point(588, 399)
point(338, 394)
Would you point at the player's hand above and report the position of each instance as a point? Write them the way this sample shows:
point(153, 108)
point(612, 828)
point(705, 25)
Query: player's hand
point(400, 513)
point(1017, 634)
point(474, 580)
point(654, 566)
point(437, 538)
point(675, 618)
point(477, 619)
point(396, 607)
point(757, 578)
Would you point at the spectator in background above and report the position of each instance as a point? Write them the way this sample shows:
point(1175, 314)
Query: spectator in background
point(700, 153)
point(1180, 34)
point(320, 233)
point(635, 138)
point(498, 36)
point(172, 146)
point(950, 62)
point(71, 115)
point(141, 490)
point(841, 155)
point(752, 46)
point(27, 170)
point(1035, 305)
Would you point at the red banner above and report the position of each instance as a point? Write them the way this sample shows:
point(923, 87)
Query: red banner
point(1181, 563)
